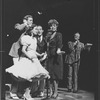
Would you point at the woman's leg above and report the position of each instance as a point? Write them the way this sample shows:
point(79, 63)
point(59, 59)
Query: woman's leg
point(55, 84)
point(34, 89)
point(51, 88)
point(27, 95)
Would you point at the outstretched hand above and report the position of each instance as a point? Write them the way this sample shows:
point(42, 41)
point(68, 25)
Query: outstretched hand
point(61, 52)
point(19, 26)
point(44, 56)
point(88, 46)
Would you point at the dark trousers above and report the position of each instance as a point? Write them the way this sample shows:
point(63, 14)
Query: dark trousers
point(14, 86)
point(37, 88)
point(18, 87)
point(22, 87)
point(34, 88)
point(41, 85)
point(73, 76)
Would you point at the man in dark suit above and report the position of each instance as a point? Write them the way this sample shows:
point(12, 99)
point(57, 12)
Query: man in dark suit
point(41, 49)
point(73, 61)
point(38, 90)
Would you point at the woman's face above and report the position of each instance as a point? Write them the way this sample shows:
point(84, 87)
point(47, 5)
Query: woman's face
point(53, 27)
point(35, 30)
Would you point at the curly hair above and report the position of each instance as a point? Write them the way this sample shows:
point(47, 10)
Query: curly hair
point(53, 21)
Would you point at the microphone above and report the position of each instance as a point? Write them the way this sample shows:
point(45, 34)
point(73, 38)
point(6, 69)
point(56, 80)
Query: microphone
point(76, 43)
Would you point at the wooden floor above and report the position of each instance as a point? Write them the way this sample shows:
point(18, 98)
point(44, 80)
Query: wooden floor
point(63, 95)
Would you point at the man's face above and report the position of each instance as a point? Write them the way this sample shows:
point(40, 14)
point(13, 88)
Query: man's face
point(40, 30)
point(77, 36)
point(30, 21)
point(53, 27)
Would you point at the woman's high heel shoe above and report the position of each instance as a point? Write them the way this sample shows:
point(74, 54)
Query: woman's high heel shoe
point(27, 95)
point(13, 96)
point(54, 96)
point(27, 98)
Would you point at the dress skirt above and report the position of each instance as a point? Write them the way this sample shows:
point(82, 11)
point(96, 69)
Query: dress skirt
point(28, 70)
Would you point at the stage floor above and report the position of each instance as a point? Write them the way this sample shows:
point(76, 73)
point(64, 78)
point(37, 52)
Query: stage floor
point(63, 95)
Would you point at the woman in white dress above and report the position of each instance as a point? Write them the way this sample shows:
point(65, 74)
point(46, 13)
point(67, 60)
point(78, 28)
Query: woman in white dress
point(29, 67)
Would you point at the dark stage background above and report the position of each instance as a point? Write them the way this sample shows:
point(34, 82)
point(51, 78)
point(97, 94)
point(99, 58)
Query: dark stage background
point(72, 15)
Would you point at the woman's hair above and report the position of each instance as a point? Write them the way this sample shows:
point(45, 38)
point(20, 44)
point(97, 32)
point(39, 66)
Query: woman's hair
point(53, 21)
point(29, 31)
point(27, 16)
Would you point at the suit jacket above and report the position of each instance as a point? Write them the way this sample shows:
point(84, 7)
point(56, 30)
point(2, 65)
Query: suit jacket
point(74, 52)
point(14, 51)
point(41, 45)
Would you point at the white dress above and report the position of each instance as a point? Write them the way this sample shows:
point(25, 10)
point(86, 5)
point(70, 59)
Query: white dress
point(25, 68)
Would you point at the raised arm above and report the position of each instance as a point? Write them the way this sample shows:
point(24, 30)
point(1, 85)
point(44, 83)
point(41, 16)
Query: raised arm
point(88, 46)
point(20, 26)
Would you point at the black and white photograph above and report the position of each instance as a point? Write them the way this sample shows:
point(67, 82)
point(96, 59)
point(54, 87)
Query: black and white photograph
point(49, 50)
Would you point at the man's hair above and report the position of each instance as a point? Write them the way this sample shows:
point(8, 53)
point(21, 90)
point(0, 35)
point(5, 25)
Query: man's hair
point(77, 34)
point(27, 16)
point(39, 26)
